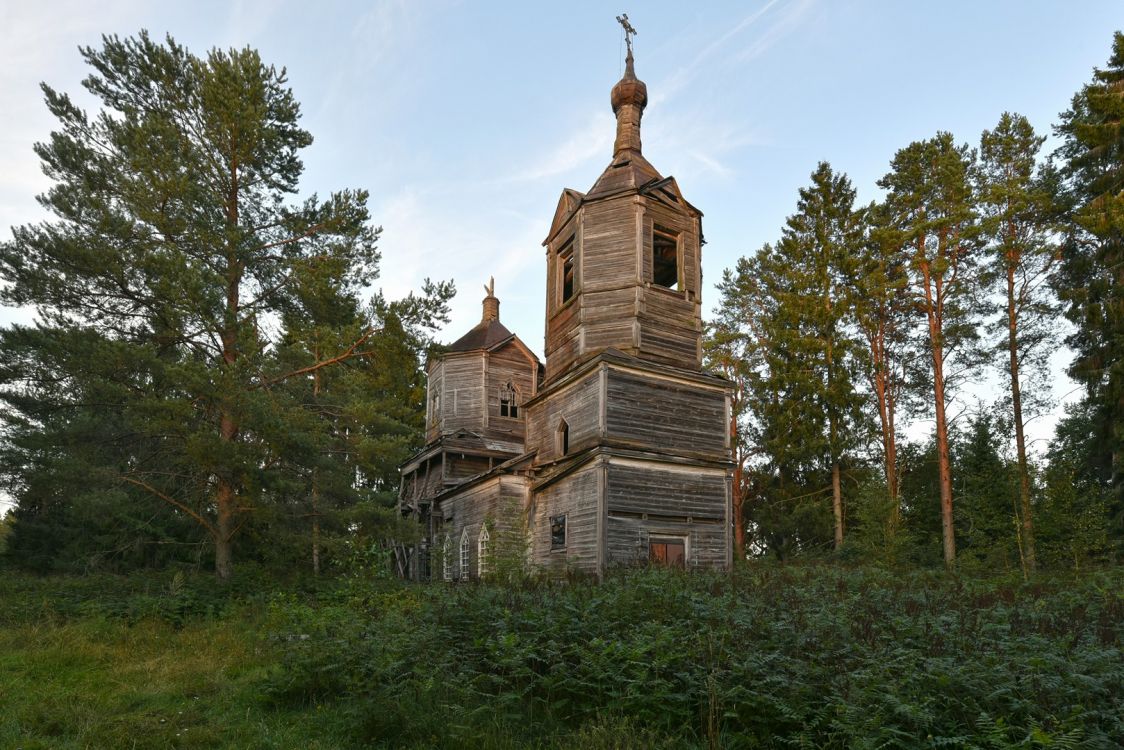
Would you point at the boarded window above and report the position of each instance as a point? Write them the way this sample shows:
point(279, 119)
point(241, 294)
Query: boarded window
point(670, 552)
point(567, 265)
point(509, 401)
point(665, 257)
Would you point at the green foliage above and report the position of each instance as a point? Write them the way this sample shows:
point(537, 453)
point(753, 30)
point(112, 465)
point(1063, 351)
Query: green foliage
point(1091, 282)
point(158, 401)
point(771, 657)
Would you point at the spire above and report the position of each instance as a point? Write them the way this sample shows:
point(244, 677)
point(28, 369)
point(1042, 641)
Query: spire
point(629, 97)
point(491, 302)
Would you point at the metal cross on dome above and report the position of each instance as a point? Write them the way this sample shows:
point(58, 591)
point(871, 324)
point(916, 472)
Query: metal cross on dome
point(629, 31)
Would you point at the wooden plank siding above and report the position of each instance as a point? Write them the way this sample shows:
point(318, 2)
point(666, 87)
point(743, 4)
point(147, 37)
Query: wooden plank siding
point(577, 402)
point(508, 364)
point(462, 402)
point(577, 496)
point(499, 502)
point(667, 415)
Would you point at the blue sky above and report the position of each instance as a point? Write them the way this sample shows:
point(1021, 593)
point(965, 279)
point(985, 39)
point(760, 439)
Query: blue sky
point(466, 120)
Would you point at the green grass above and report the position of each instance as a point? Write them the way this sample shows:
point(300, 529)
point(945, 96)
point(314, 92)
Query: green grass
point(810, 656)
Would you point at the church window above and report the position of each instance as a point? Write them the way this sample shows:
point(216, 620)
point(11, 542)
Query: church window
point(509, 401)
point(435, 407)
point(566, 255)
point(562, 438)
point(665, 257)
point(464, 555)
point(558, 532)
point(482, 550)
point(669, 551)
point(447, 559)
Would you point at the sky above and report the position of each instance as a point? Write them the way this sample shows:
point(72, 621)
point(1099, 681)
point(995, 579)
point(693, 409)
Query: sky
point(465, 120)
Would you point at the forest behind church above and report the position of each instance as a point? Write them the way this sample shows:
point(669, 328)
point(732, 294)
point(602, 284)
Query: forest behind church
point(202, 433)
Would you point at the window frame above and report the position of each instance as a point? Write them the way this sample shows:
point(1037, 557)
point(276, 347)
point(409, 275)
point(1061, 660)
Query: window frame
point(555, 521)
point(464, 555)
point(482, 543)
point(567, 261)
point(660, 232)
point(665, 540)
point(509, 400)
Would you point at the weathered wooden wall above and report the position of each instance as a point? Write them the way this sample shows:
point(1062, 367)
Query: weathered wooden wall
point(498, 501)
point(508, 364)
point(578, 402)
point(656, 413)
point(577, 495)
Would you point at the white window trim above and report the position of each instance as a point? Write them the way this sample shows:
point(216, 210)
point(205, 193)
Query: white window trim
point(482, 550)
point(447, 559)
point(464, 555)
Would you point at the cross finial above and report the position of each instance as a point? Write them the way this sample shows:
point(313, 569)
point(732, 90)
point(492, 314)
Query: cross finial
point(490, 287)
point(629, 31)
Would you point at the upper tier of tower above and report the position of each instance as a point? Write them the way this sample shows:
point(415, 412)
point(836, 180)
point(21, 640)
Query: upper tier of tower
point(623, 260)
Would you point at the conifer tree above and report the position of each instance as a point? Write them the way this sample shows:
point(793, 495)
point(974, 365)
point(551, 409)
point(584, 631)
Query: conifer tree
point(882, 311)
point(1091, 284)
point(1015, 202)
point(175, 248)
point(932, 212)
point(815, 256)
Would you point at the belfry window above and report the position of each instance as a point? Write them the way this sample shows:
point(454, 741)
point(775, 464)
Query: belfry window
point(566, 257)
point(665, 258)
point(509, 401)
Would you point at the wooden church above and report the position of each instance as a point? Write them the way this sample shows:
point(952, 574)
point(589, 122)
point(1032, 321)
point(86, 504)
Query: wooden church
point(617, 452)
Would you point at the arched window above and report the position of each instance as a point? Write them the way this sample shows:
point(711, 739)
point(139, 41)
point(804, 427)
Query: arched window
point(509, 401)
point(447, 559)
point(562, 438)
point(464, 555)
point(482, 550)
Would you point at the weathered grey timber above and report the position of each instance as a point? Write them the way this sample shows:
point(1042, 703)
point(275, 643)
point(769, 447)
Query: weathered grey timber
point(618, 451)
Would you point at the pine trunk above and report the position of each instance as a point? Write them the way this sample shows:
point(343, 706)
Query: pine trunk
point(837, 503)
point(1027, 546)
point(944, 458)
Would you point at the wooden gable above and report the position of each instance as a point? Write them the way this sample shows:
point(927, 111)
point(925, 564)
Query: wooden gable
point(568, 203)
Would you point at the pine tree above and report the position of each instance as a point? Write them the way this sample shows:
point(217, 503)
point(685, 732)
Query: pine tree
point(817, 251)
point(882, 310)
point(932, 211)
point(1015, 201)
point(1091, 284)
point(175, 249)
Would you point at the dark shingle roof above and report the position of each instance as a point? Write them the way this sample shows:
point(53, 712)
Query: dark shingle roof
point(485, 335)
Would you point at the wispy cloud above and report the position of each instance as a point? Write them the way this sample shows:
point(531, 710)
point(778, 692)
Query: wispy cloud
point(593, 141)
point(787, 16)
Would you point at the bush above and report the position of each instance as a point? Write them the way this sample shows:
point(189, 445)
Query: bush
point(816, 657)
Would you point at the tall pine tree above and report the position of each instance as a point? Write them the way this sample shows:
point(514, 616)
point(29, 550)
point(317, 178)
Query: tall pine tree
point(1016, 206)
point(932, 211)
point(175, 249)
point(1091, 284)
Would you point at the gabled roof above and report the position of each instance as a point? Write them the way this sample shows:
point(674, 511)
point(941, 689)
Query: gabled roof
point(568, 203)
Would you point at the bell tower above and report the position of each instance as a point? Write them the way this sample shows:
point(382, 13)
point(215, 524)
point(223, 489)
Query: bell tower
point(623, 260)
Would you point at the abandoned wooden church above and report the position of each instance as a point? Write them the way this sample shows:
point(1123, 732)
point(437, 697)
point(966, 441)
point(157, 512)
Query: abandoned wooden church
point(618, 451)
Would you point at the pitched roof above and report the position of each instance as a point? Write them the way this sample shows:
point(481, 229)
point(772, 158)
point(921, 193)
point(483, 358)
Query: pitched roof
point(485, 335)
point(628, 171)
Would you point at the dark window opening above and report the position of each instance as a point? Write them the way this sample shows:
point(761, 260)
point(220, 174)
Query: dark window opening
point(567, 256)
point(558, 532)
point(665, 258)
point(509, 401)
point(563, 438)
point(669, 552)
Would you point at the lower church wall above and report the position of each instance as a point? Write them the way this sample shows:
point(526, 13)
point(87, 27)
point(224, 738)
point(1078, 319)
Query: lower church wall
point(577, 497)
